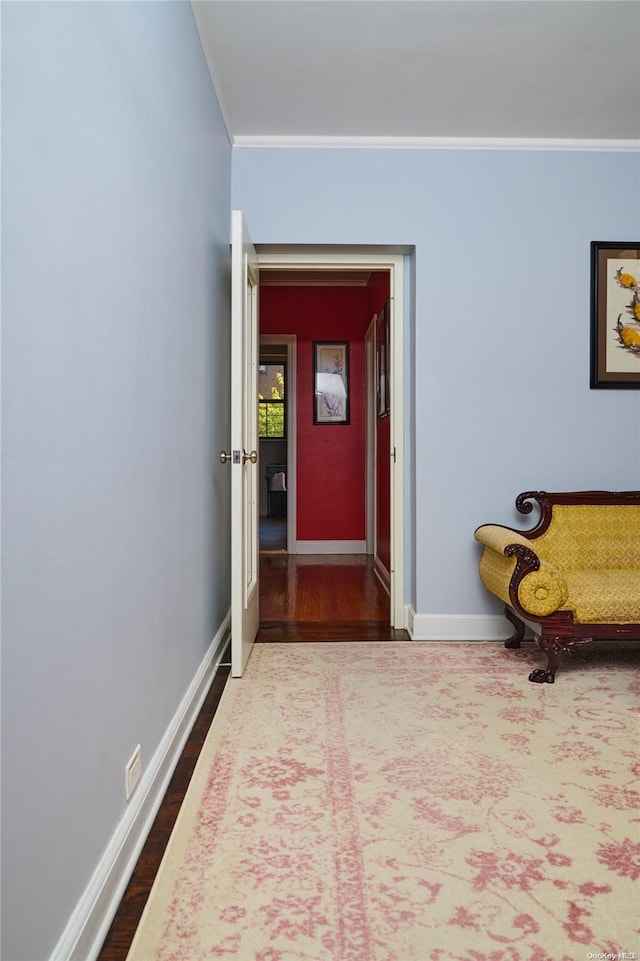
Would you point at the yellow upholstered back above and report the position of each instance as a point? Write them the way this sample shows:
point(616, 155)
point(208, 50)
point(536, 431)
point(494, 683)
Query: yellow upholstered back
point(592, 537)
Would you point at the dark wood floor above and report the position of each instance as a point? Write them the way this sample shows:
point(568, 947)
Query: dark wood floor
point(313, 587)
point(302, 598)
point(118, 941)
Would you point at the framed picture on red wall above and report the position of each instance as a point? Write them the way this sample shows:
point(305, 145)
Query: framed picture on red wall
point(331, 382)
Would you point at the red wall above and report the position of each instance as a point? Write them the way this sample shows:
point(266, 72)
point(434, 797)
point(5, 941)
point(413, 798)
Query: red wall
point(331, 458)
point(378, 294)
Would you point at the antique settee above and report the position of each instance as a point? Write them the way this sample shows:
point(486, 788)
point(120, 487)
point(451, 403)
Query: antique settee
point(573, 577)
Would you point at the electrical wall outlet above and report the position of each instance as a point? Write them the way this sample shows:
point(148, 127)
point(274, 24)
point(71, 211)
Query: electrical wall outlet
point(132, 772)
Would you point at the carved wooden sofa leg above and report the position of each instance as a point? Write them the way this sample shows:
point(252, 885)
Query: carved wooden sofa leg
point(518, 629)
point(553, 647)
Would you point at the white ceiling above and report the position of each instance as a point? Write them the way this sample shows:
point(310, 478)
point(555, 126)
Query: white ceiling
point(548, 69)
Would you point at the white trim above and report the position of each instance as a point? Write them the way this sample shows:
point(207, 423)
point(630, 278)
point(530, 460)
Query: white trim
point(87, 927)
point(291, 342)
point(331, 547)
point(437, 143)
point(341, 258)
point(396, 321)
point(457, 627)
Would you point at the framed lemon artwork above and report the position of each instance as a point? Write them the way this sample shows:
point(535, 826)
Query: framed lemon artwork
point(615, 315)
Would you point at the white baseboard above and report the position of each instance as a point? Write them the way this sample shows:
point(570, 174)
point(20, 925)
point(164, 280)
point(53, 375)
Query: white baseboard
point(87, 927)
point(457, 627)
point(331, 547)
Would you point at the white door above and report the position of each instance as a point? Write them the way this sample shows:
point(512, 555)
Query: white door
point(244, 444)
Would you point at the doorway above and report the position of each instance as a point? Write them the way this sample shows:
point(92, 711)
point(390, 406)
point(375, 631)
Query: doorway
point(302, 566)
point(277, 443)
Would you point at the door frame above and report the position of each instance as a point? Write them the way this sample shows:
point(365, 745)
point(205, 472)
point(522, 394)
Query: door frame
point(293, 257)
point(371, 452)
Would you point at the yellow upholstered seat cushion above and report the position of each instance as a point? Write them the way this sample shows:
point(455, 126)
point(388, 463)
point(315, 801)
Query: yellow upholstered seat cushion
point(604, 596)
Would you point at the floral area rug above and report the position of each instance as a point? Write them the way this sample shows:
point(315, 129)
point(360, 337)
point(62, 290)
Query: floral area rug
point(409, 802)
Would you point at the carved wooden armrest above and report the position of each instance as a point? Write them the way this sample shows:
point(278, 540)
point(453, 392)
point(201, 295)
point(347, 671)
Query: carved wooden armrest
point(531, 585)
point(540, 590)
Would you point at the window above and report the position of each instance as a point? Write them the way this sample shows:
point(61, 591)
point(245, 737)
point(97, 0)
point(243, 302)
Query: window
point(272, 410)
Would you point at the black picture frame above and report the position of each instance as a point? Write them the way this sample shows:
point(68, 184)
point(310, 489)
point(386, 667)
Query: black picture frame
point(331, 382)
point(615, 315)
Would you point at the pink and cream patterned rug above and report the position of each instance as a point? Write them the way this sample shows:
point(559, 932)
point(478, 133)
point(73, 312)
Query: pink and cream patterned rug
point(409, 802)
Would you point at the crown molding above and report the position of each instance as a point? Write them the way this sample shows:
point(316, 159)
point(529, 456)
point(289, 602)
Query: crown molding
point(437, 143)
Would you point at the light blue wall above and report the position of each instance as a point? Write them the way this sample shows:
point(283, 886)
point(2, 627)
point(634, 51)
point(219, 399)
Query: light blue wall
point(501, 365)
point(116, 200)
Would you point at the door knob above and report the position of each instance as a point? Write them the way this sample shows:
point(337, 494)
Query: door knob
point(253, 457)
point(224, 457)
